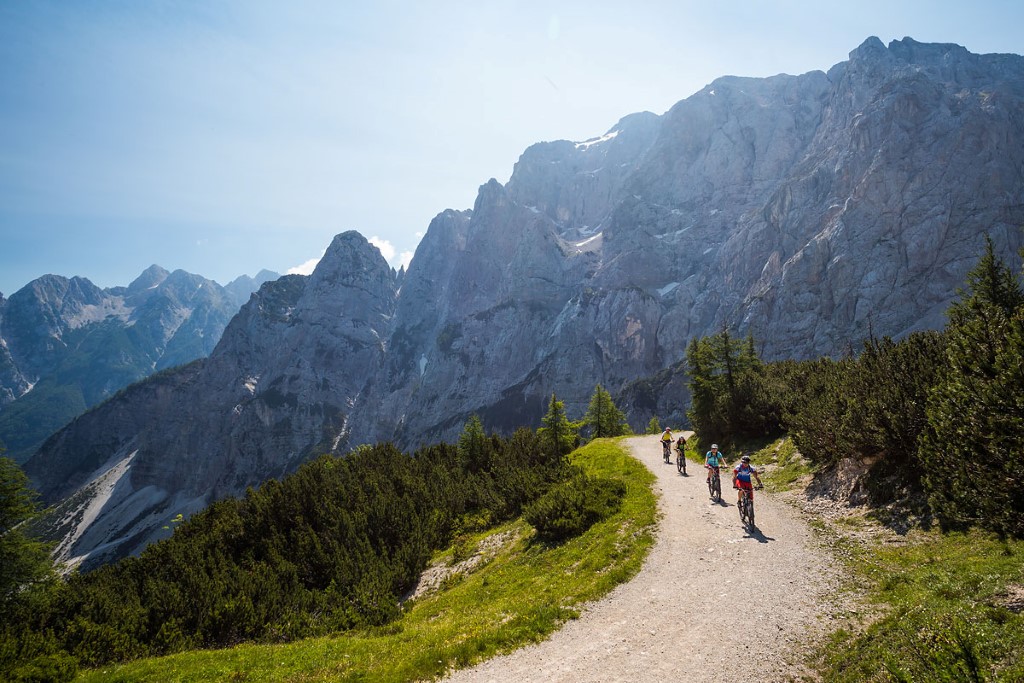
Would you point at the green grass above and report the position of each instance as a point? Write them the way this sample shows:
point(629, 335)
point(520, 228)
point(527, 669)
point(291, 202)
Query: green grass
point(527, 591)
point(945, 601)
point(789, 467)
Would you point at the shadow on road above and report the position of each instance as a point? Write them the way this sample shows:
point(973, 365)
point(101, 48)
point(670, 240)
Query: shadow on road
point(759, 536)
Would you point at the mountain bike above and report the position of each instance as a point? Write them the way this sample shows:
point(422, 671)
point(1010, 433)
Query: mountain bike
point(680, 461)
point(715, 483)
point(746, 508)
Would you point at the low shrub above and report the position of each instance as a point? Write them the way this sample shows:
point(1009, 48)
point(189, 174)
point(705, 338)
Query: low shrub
point(573, 506)
point(52, 668)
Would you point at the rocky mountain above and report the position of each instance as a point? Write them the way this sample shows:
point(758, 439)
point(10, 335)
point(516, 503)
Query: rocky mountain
point(809, 210)
point(66, 344)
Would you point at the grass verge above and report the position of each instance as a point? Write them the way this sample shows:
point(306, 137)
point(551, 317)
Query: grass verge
point(785, 468)
point(951, 607)
point(520, 596)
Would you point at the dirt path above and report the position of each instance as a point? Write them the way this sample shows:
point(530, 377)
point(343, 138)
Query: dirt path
point(680, 618)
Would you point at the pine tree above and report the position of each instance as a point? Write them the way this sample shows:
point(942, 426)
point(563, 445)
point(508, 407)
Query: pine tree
point(654, 426)
point(731, 393)
point(474, 446)
point(703, 412)
point(972, 447)
point(603, 417)
point(24, 563)
point(558, 434)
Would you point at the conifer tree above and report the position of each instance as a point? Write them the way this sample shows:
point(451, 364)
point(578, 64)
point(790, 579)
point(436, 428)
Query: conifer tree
point(558, 434)
point(603, 417)
point(972, 447)
point(703, 413)
point(24, 563)
point(474, 446)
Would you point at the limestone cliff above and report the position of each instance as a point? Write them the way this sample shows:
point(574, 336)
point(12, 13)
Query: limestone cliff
point(66, 344)
point(810, 210)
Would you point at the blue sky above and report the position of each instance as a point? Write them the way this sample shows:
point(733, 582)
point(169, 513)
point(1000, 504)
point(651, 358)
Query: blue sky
point(226, 137)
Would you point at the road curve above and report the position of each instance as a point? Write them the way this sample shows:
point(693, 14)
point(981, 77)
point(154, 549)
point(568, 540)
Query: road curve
point(712, 603)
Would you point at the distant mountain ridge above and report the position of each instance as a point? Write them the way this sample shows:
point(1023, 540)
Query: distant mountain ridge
point(66, 344)
point(811, 211)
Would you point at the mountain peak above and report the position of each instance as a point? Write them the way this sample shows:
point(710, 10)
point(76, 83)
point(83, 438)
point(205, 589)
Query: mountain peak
point(349, 257)
point(151, 277)
point(872, 48)
point(801, 209)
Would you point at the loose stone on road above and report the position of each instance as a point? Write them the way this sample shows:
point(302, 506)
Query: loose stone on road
point(711, 604)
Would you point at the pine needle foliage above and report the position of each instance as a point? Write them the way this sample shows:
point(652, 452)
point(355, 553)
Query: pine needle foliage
point(27, 584)
point(327, 549)
point(23, 561)
point(973, 448)
point(938, 413)
point(603, 417)
point(734, 397)
point(558, 434)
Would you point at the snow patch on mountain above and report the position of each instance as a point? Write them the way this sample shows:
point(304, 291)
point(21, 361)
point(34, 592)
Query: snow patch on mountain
point(586, 144)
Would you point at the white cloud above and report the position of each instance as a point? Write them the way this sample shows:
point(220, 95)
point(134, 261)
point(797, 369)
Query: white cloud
point(389, 253)
point(307, 267)
point(387, 249)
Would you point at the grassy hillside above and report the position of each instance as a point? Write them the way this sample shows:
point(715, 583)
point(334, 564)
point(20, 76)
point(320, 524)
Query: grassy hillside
point(519, 592)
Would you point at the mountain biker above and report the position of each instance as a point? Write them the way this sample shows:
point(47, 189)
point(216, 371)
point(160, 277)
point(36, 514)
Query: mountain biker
point(713, 460)
point(681, 454)
point(741, 478)
point(666, 443)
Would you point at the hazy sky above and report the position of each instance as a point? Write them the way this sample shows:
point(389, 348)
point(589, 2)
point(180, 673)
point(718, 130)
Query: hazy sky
point(226, 137)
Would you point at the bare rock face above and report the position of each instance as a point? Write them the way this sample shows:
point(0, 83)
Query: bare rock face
point(279, 387)
point(917, 158)
point(808, 210)
point(66, 345)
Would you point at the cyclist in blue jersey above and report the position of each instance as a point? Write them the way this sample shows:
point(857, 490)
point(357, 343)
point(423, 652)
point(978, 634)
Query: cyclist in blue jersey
point(713, 460)
point(741, 475)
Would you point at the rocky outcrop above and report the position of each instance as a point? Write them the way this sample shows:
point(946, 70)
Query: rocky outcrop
point(66, 345)
point(808, 210)
point(280, 386)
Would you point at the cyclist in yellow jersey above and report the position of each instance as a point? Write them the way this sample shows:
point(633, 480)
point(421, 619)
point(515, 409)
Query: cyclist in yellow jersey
point(666, 444)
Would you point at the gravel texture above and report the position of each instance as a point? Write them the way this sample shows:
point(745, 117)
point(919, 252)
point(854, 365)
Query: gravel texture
point(712, 603)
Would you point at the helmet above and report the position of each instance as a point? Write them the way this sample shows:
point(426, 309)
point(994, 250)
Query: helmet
point(714, 446)
point(745, 458)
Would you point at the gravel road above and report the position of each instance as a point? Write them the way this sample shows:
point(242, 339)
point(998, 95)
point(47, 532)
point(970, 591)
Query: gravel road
point(711, 604)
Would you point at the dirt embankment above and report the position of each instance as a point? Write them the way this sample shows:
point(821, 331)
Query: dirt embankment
point(712, 604)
